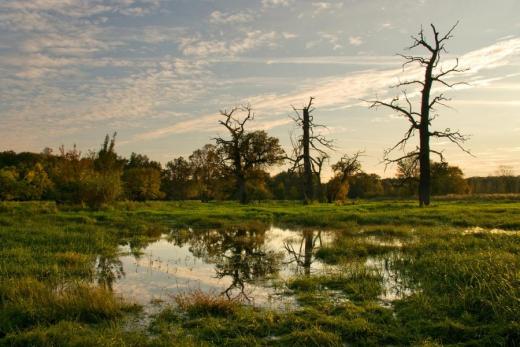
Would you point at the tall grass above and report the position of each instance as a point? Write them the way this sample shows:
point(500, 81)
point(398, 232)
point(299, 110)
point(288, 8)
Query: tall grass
point(27, 302)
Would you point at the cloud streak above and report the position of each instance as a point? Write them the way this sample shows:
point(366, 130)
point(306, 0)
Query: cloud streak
point(347, 91)
point(218, 17)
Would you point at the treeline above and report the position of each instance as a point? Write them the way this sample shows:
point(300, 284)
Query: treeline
point(99, 177)
point(494, 185)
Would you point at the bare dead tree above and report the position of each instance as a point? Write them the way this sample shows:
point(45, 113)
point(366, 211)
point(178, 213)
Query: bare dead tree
point(246, 151)
point(420, 121)
point(317, 168)
point(309, 149)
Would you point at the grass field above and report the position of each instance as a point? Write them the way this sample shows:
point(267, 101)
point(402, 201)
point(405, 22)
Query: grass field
point(463, 283)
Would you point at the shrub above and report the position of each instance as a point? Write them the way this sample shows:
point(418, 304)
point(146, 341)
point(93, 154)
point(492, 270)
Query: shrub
point(99, 189)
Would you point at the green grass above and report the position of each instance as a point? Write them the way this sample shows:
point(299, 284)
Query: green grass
point(469, 287)
point(356, 282)
point(465, 288)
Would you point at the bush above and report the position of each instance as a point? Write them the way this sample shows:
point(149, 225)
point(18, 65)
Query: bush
point(9, 185)
point(99, 189)
point(34, 184)
point(142, 183)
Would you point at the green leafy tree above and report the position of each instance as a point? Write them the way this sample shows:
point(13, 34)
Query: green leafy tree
point(143, 183)
point(445, 179)
point(177, 179)
point(141, 161)
point(364, 185)
point(258, 185)
point(106, 159)
point(100, 184)
point(68, 173)
point(35, 183)
point(286, 185)
point(32, 185)
point(142, 178)
point(100, 188)
point(9, 185)
point(207, 171)
point(448, 179)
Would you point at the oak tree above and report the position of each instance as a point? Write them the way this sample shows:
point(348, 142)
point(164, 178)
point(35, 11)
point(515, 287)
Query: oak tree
point(245, 152)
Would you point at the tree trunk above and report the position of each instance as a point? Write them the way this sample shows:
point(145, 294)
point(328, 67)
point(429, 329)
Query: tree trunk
point(239, 173)
point(320, 188)
point(307, 167)
point(307, 260)
point(424, 162)
point(242, 192)
point(424, 134)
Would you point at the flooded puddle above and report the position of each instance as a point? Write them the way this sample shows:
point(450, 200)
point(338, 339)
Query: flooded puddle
point(395, 286)
point(244, 264)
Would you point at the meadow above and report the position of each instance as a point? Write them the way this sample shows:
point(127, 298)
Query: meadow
point(457, 264)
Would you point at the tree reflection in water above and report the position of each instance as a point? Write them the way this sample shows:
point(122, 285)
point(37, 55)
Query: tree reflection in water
point(304, 256)
point(246, 257)
point(108, 269)
point(238, 252)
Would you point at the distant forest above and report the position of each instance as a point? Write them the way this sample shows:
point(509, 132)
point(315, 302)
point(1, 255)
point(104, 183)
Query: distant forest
point(99, 177)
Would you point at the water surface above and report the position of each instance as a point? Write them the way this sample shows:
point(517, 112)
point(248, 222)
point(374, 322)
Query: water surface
point(250, 264)
point(246, 264)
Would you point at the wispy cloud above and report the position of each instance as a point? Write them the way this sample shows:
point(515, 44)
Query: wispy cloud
point(217, 17)
point(333, 39)
point(326, 6)
point(354, 60)
point(196, 46)
point(355, 40)
point(490, 103)
point(82, 9)
point(347, 91)
point(276, 3)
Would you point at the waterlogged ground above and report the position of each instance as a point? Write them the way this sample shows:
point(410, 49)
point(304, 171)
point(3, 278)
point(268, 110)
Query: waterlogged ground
point(191, 274)
point(248, 265)
point(243, 264)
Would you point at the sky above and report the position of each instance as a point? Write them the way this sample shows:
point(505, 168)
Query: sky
point(157, 72)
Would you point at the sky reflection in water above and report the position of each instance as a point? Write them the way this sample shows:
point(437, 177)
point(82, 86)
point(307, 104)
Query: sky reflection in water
point(243, 263)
